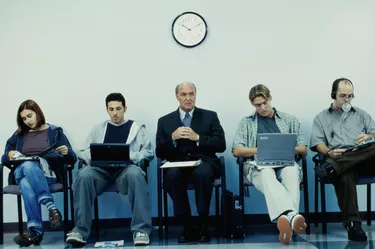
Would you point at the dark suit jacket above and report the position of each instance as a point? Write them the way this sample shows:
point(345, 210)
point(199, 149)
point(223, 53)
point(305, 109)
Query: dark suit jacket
point(211, 138)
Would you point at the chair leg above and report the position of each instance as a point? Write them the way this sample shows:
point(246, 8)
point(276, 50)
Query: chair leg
point(1, 215)
point(165, 199)
point(217, 210)
point(223, 211)
point(368, 204)
point(316, 202)
point(96, 214)
point(323, 201)
point(20, 219)
point(71, 198)
point(66, 211)
point(160, 205)
point(307, 209)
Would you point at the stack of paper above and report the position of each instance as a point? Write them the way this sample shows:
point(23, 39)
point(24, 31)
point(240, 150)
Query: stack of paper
point(181, 164)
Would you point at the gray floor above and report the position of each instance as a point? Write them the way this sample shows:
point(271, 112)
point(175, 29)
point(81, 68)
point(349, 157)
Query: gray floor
point(264, 236)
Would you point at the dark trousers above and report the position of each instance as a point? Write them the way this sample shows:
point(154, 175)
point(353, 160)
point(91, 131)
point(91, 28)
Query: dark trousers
point(348, 167)
point(175, 182)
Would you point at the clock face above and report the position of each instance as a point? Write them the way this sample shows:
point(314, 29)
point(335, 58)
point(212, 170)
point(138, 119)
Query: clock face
point(189, 29)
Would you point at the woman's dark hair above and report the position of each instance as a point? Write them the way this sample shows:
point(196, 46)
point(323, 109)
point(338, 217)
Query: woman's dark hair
point(33, 106)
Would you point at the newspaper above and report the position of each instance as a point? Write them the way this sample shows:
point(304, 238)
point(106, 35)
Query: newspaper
point(106, 244)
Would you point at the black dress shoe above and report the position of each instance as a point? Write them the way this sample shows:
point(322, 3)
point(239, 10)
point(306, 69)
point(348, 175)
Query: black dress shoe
point(355, 231)
point(325, 172)
point(188, 236)
point(28, 239)
point(204, 234)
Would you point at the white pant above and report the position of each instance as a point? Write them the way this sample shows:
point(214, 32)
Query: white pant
point(280, 186)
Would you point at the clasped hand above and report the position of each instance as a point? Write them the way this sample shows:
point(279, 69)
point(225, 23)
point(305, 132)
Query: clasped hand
point(184, 133)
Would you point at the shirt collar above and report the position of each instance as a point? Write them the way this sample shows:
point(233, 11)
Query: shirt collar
point(254, 114)
point(182, 113)
point(330, 108)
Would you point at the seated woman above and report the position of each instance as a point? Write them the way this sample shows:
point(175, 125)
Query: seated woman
point(32, 138)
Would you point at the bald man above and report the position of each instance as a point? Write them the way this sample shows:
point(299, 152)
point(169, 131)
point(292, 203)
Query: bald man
point(186, 134)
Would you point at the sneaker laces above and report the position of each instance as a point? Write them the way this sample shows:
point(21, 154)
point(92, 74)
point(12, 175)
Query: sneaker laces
point(140, 234)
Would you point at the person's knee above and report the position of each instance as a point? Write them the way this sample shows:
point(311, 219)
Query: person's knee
point(84, 178)
point(29, 167)
point(172, 174)
point(204, 172)
point(134, 173)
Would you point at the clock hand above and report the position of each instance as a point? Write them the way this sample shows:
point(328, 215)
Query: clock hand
point(196, 26)
point(186, 27)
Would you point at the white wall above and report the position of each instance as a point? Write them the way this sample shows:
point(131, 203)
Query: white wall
point(68, 55)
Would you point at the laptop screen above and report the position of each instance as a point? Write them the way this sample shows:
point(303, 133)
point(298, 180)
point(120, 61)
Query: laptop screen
point(276, 146)
point(109, 152)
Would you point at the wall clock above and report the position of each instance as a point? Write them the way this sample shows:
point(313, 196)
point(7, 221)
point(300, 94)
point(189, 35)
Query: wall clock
point(189, 29)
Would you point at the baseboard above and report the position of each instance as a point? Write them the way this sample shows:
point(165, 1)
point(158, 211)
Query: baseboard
point(249, 219)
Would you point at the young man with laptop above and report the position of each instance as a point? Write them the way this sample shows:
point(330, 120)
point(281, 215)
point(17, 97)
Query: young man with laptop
point(117, 147)
point(269, 139)
point(343, 134)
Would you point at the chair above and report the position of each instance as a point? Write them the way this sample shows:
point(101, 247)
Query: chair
point(163, 197)
point(245, 184)
point(144, 164)
point(13, 189)
point(362, 180)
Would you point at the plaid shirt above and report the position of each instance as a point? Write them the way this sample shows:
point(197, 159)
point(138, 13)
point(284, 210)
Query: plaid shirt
point(246, 134)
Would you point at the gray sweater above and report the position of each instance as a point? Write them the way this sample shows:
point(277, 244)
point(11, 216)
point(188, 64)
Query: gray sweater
point(139, 144)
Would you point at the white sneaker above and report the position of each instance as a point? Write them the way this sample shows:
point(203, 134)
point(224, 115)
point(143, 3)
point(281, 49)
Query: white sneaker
point(75, 239)
point(140, 238)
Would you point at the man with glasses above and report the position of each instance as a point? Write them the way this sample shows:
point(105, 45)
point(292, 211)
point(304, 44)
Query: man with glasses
point(280, 185)
point(186, 134)
point(334, 131)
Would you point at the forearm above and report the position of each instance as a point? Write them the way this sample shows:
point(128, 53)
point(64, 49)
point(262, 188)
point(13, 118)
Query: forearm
point(244, 151)
point(301, 150)
point(323, 149)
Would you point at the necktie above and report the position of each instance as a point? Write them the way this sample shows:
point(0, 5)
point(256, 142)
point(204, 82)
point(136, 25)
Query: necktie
point(187, 120)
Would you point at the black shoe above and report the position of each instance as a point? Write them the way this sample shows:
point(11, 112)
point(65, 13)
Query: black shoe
point(55, 218)
point(188, 236)
point(325, 172)
point(204, 234)
point(27, 240)
point(355, 231)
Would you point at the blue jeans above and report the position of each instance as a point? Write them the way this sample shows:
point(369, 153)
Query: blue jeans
point(34, 188)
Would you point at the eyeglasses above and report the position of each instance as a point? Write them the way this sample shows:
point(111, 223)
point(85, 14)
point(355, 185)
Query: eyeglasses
point(344, 96)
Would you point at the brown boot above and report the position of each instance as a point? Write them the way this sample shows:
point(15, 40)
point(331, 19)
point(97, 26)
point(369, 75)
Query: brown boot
point(55, 217)
point(28, 239)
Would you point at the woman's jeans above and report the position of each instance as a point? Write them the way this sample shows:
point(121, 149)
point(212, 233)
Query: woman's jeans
point(34, 188)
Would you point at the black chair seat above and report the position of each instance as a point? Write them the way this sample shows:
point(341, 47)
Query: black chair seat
point(364, 180)
point(14, 189)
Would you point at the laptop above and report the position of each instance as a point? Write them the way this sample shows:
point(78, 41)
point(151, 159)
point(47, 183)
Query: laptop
point(109, 155)
point(275, 149)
